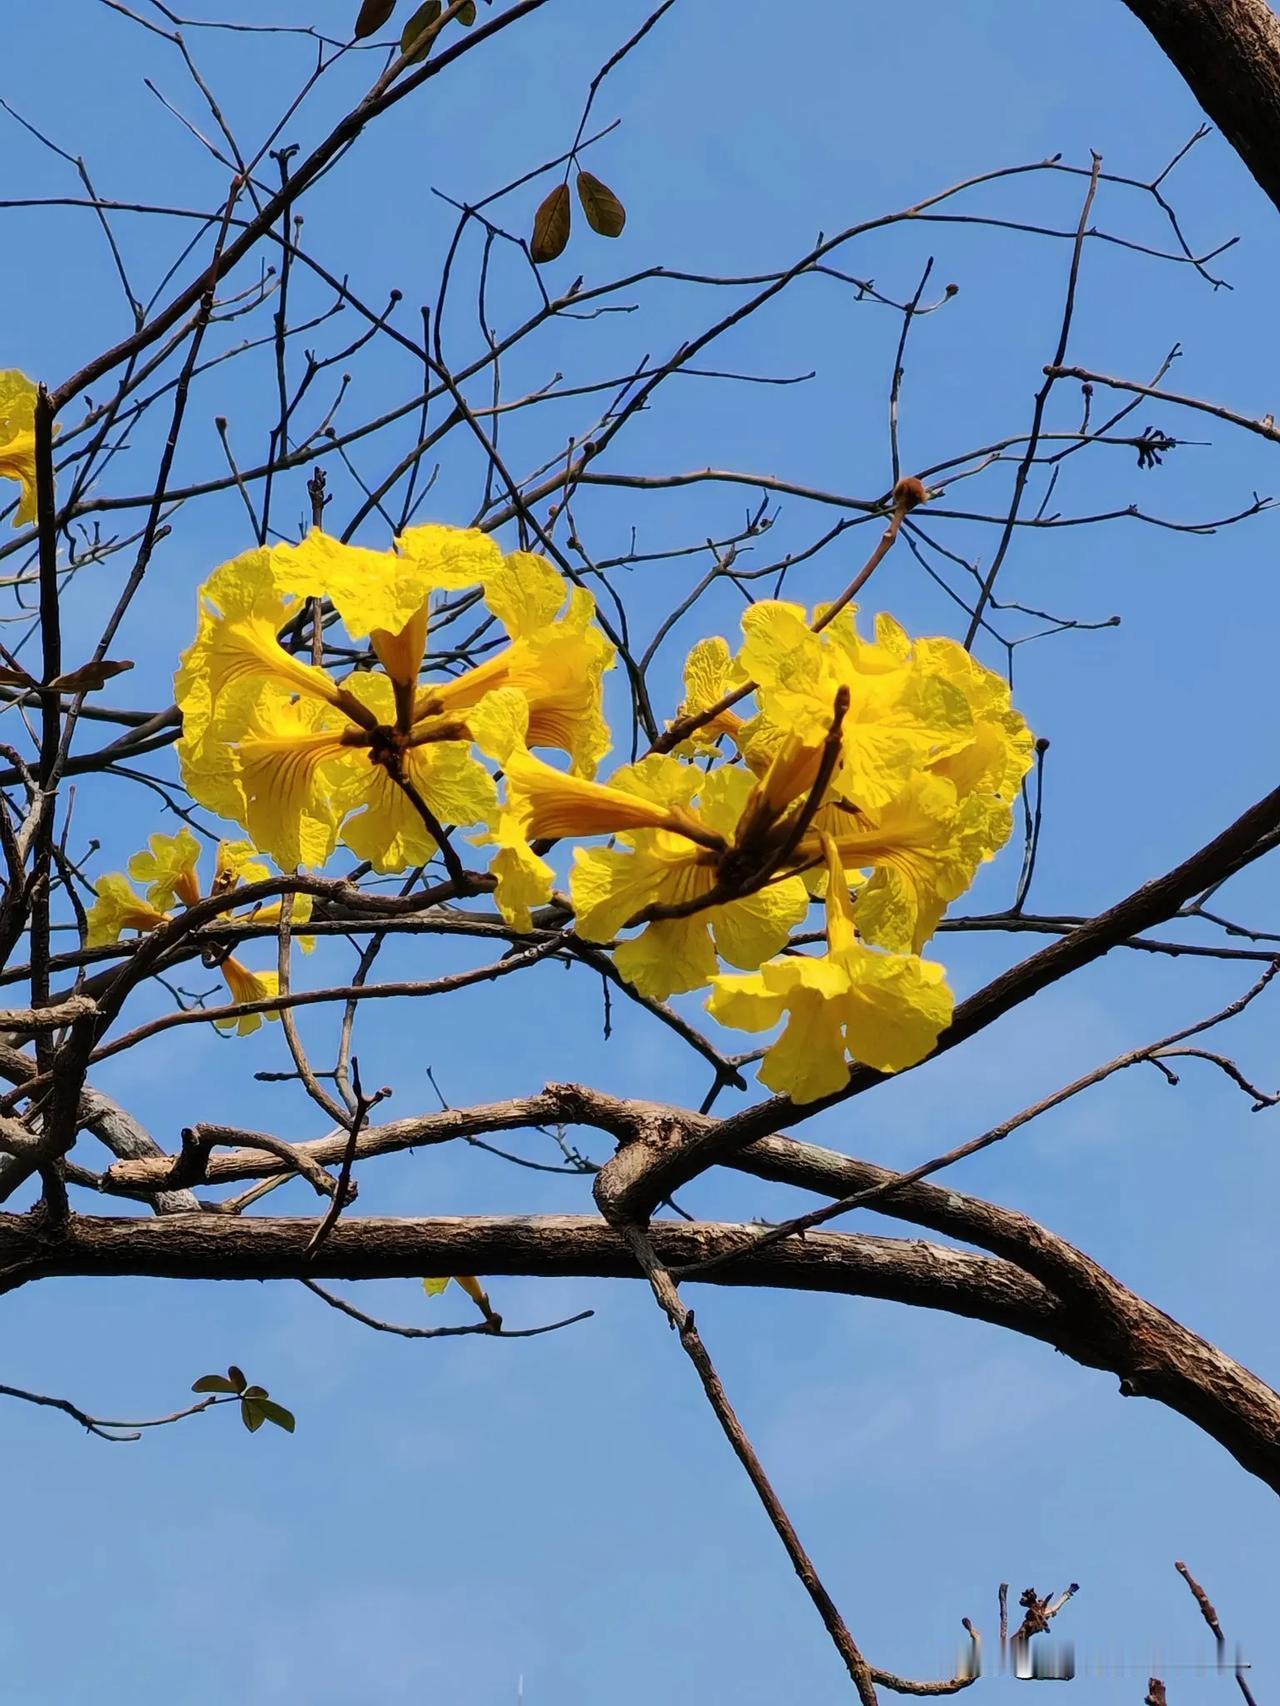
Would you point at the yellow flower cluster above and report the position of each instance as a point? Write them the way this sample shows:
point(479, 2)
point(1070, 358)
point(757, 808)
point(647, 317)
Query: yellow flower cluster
point(873, 776)
point(168, 869)
point(302, 760)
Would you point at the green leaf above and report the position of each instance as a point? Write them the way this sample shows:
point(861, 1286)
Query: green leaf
point(237, 1379)
point(605, 213)
point(421, 20)
point(251, 1413)
point(213, 1383)
point(254, 1392)
point(373, 14)
point(467, 14)
point(551, 225)
point(273, 1412)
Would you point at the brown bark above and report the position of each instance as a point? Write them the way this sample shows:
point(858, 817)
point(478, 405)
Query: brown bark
point(1228, 52)
point(1103, 1326)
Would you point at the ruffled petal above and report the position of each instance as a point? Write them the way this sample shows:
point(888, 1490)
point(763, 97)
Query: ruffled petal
point(389, 831)
point(524, 592)
point(669, 957)
point(117, 909)
point(168, 869)
point(524, 880)
point(750, 931)
point(895, 1007)
point(369, 589)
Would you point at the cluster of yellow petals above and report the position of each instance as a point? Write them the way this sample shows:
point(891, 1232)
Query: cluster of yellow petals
point(873, 776)
point(18, 439)
point(303, 760)
point(168, 870)
point(879, 774)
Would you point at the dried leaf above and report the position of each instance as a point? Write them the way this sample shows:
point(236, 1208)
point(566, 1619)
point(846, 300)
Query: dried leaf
point(551, 225)
point(422, 19)
point(273, 1412)
point(373, 14)
point(90, 676)
point(16, 677)
point(605, 213)
point(433, 1287)
point(213, 1383)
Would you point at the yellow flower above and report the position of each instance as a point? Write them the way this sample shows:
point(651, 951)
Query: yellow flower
point(119, 908)
point(278, 745)
point(922, 850)
point(169, 869)
point(902, 714)
point(246, 985)
point(885, 1010)
point(237, 862)
point(685, 863)
point(474, 1290)
point(647, 795)
point(991, 767)
point(18, 439)
point(524, 880)
point(710, 675)
point(558, 668)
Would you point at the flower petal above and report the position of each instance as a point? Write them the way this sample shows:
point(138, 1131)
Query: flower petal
point(168, 868)
point(669, 957)
point(389, 831)
point(525, 592)
point(117, 909)
point(752, 930)
point(18, 439)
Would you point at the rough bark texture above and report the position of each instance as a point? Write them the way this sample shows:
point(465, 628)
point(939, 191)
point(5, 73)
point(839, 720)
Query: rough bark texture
point(1228, 51)
point(1101, 1324)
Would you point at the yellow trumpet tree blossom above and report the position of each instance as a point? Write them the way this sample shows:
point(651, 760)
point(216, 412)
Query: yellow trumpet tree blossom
point(698, 880)
point(168, 868)
point(852, 1003)
point(380, 759)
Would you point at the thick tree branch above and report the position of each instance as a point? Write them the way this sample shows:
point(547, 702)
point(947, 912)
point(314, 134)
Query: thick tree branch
point(1151, 1355)
point(1228, 52)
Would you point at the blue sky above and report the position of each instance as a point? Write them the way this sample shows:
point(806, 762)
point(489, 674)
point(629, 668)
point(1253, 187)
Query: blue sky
point(453, 1517)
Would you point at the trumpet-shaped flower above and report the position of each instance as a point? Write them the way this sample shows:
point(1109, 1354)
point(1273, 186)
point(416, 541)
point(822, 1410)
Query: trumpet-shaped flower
point(683, 874)
point(118, 908)
point(246, 985)
point(922, 851)
point(18, 440)
point(902, 714)
point(169, 869)
point(168, 866)
point(381, 759)
point(885, 1010)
